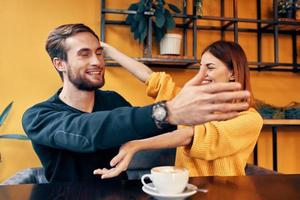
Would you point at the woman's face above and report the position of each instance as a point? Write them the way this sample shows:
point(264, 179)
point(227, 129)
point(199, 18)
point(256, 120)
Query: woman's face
point(216, 70)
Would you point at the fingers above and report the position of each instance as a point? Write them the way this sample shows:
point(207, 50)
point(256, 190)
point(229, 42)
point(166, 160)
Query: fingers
point(227, 107)
point(230, 96)
point(108, 173)
point(222, 116)
point(112, 173)
point(220, 87)
point(197, 79)
point(103, 44)
point(117, 158)
point(100, 171)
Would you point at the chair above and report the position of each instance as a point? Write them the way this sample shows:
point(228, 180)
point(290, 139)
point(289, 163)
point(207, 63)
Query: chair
point(27, 176)
point(256, 170)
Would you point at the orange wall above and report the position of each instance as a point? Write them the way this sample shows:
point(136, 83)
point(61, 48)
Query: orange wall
point(27, 76)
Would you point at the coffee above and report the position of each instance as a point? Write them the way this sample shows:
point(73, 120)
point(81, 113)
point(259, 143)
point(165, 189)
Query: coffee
point(167, 179)
point(168, 169)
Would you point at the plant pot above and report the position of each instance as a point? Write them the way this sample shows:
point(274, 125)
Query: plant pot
point(170, 44)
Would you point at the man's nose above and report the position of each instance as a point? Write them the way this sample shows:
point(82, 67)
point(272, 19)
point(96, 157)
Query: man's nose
point(97, 60)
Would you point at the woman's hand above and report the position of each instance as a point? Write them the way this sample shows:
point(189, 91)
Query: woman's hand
point(180, 137)
point(120, 162)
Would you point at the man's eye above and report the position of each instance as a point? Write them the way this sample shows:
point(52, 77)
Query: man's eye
point(84, 54)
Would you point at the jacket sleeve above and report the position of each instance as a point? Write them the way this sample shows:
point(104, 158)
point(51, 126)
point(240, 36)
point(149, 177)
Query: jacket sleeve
point(161, 86)
point(87, 132)
point(219, 139)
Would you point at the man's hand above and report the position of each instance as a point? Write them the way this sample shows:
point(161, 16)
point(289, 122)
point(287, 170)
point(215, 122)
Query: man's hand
point(119, 163)
point(197, 104)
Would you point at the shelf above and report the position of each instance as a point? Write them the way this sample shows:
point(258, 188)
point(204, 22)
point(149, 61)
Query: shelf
point(162, 60)
point(275, 26)
point(289, 24)
point(290, 122)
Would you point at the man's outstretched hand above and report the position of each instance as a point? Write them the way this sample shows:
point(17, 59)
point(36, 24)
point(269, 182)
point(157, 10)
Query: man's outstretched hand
point(197, 104)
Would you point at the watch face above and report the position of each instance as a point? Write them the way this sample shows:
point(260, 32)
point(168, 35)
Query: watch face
point(160, 113)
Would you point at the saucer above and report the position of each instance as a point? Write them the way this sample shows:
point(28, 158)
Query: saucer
point(160, 196)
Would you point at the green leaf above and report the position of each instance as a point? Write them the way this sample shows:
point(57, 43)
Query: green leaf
point(138, 16)
point(142, 24)
point(143, 35)
point(159, 18)
point(159, 34)
point(5, 113)
point(148, 5)
point(129, 19)
point(133, 6)
point(136, 34)
point(160, 4)
point(170, 23)
point(174, 8)
point(141, 6)
point(134, 25)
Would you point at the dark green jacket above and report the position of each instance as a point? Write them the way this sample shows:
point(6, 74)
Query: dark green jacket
point(71, 143)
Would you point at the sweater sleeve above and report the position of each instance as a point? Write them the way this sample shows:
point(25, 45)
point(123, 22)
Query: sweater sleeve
point(87, 132)
point(161, 86)
point(219, 139)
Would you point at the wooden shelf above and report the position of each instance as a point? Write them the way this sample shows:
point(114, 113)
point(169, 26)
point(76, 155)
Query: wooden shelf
point(291, 122)
point(162, 60)
point(290, 24)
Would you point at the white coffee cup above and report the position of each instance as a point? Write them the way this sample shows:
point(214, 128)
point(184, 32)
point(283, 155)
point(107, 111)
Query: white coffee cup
point(167, 179)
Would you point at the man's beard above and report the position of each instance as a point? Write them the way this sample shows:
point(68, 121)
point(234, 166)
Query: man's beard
point(83, 84)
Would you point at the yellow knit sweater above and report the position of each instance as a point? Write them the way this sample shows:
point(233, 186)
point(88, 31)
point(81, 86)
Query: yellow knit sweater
point(219, 148)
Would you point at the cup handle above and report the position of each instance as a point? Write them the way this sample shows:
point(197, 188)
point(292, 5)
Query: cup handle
point(145, 184)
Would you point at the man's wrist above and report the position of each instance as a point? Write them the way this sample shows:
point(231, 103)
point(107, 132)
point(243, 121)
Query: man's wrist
point(160, 115)
point(170, 118)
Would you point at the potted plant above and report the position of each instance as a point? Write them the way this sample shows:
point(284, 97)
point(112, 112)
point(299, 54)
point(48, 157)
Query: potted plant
point(199, 6)
point(286, 9)
point(297, 10)
point(160, 13)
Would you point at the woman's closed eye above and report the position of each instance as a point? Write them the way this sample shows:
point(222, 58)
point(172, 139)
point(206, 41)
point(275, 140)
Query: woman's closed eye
point(210, 67)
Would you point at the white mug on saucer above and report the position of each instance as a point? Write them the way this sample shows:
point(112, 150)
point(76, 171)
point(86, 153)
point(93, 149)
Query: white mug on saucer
point(167, 179)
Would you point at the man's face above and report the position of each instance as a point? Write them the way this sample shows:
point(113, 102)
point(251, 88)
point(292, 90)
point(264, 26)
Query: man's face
point(85, 63)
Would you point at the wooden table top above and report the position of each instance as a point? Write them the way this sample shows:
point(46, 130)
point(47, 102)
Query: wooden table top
point(269, 187)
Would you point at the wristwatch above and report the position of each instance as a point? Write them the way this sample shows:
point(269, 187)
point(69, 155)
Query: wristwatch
point(160, 114)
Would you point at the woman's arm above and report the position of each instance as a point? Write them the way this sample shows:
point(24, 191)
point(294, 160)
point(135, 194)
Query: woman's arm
point(139, 70)
point(218, 139)
point(120, 162)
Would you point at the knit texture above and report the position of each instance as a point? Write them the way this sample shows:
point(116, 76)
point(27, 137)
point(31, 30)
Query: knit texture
point(219, 148)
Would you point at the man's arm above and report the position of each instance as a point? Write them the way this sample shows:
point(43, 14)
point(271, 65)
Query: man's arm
point(139, 70)
point(87, 132)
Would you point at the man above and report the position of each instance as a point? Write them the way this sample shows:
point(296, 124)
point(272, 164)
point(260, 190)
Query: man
point(80, 128)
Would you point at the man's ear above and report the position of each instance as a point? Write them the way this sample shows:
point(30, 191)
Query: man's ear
point(58, 64)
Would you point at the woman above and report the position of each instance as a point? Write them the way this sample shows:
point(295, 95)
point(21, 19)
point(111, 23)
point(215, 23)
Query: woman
point(216, 148)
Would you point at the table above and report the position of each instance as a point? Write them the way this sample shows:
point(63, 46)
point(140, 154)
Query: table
point(274, 124)
point(269, 187)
